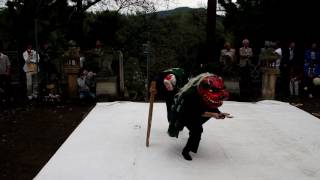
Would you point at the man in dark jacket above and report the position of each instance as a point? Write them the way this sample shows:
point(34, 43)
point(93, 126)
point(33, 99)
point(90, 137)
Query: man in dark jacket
point(195, 104)
point(291, 58)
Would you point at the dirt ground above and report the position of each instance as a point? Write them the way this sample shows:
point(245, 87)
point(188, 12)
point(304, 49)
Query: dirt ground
point(31, 133)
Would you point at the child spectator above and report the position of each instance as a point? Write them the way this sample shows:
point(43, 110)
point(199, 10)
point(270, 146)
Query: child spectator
point(85, 84)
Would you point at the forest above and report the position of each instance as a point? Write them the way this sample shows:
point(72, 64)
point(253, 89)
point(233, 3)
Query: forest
point(175, 38)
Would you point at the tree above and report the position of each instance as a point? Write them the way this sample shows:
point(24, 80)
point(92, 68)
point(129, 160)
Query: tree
point(211, 28)
point(55, 20)
point(271, 19)
point(64, 14)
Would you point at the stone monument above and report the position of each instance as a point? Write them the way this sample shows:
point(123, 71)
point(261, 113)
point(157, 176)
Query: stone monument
point(103, 59)
point(71, 68)
point(270, 73)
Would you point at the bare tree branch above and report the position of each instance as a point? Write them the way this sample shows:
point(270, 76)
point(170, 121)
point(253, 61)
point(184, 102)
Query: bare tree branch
point(90, 4)
point(117, 5)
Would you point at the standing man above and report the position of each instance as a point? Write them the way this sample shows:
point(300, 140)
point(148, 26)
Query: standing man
point(291, 60)
point(45, 64)
point(278, 51)
point(246, 68)
point(228, 56)
point(311, 66)
point(31, 58)
point(4, 74)
point(245, 53)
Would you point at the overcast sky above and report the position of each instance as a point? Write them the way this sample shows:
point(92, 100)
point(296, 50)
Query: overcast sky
point(182, 3)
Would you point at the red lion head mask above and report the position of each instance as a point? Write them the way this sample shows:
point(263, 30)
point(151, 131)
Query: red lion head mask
point(212, 90)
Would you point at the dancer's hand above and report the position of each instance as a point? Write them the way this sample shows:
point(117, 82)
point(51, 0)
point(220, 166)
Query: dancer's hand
point(213, 115)
point(227, 115)
point(217, 115)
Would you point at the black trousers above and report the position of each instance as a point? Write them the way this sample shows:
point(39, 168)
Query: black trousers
point(169, 102)
point(195, 131)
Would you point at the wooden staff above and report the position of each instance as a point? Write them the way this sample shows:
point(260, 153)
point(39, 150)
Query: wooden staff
point(153, 91)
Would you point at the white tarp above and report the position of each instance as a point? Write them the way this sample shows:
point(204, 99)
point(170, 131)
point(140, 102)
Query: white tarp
point(267, 140)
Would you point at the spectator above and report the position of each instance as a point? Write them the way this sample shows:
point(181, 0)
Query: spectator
point(228, 56)
point(5, 83)
point(278, 51)
point(311, 68)
point(267, 45)
point(31, 58)
point(48, 68)
point(45, 62)
point(312, 55)
point(296, 77)
point(85, 84)
point(245, 53)
point(246, 69)
point(288, 68)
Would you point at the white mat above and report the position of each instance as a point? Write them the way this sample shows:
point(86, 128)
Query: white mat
point(268, 140)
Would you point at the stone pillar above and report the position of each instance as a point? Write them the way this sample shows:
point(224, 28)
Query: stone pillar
point(71, 68)
point(268, 60)
point(107, 86)
point(72, 75)
point(107, 80)
point(269, 80)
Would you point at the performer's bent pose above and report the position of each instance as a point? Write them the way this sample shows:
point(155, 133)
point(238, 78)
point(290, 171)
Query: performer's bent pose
point(196, 103)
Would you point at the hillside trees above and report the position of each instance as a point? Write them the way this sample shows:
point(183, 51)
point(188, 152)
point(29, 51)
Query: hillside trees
point(283, 20)
point(63, 15)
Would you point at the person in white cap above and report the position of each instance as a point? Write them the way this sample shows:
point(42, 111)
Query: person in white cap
point(168, 84)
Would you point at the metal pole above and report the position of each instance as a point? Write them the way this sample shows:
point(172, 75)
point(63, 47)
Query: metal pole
point(37, 54)
point(36, 41)
point(121, 73)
